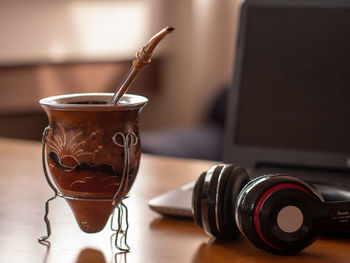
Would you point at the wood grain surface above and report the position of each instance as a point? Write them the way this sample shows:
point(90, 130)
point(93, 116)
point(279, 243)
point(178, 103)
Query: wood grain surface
point(152, 238)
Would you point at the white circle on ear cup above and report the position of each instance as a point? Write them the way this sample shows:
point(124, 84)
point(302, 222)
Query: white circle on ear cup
point(290, 219)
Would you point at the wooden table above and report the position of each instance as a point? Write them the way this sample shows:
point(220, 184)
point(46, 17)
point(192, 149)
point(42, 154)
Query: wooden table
point(23, 192)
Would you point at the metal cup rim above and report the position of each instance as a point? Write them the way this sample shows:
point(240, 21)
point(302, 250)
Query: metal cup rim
point(72, 102)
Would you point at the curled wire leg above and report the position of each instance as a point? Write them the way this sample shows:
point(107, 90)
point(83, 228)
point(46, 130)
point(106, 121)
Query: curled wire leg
point(125, 208)
point(47, 221)
point(122, 222)
point(121, 256)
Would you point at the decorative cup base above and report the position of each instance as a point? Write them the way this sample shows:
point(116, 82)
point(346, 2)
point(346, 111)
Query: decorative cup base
point(91, 216)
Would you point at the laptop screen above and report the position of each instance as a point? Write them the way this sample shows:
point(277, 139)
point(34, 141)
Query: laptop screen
point(290, 100)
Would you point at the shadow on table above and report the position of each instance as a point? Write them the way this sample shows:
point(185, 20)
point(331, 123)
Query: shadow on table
point(90, 255)
point(241, 250)
point(47, 244)
point(178, 226)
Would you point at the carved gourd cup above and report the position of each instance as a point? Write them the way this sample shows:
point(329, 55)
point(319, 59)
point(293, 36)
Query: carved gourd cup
point(93, 152)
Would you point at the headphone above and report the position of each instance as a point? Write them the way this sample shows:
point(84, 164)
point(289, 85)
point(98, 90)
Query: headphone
point(278, 213)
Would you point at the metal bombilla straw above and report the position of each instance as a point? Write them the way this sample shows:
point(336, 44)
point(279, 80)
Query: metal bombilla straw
point(142, 59)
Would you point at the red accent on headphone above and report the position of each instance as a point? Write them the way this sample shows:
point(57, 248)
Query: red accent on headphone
point(260, 202)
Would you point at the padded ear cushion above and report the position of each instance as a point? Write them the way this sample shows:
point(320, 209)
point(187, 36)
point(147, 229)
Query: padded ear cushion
point(232, 183)
point(204, 199)
point(214, 198)
point(222, 196)
point(196, 200)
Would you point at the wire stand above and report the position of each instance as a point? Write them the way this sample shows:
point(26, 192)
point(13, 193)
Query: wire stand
point(121, 234)
point(121, 231)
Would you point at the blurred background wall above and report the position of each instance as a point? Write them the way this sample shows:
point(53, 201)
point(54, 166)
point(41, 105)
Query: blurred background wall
point(54, 47)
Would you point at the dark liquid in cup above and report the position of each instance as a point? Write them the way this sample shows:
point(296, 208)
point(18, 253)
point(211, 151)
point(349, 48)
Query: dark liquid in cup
point(87, 102)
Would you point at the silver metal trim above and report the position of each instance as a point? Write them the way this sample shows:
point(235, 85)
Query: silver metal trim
point(205, 198)
point(218, 186)
point(70, 102)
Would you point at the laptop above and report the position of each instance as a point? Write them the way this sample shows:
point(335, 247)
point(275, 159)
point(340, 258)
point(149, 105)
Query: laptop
point(289, 102)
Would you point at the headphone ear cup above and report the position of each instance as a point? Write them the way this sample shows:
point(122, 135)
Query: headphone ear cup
point(260, 206)
point(237, 178)
point(208, 199)
point(217, 191)
point(196, 200)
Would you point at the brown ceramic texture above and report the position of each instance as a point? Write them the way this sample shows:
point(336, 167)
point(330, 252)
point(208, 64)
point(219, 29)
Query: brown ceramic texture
point(86, 153)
